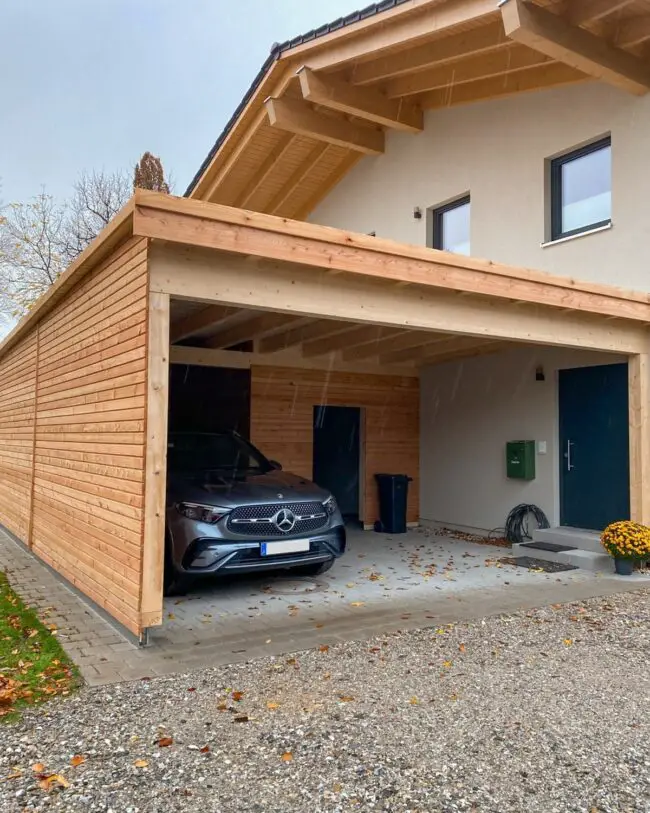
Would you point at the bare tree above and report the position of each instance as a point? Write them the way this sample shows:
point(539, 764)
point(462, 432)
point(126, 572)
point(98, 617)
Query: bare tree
point(149, 174)
point(30, 252)
point(97, 198)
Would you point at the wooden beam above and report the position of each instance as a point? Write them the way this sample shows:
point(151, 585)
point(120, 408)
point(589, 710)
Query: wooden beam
point(323, 189)
point(349, 45)
point(299, 335)
point(551, 35)
point(359, 336)
point(632, 31)
point(368, 104)
point(450, 49)
point(497, 63)
point(277, 240)
point(155, 475)
point(298, 117)
point(487, 348)
point(256, 327)
point(639, 420)
point(587, 11)
point(270, 163)
point(380, 347)
point(195, 322)
point(545, 76)
point(430, 351)
point(244, 361)
point(313, 292)
point(296, 178)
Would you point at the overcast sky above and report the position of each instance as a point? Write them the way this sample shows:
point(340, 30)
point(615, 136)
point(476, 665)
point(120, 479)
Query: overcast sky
point(94, 83)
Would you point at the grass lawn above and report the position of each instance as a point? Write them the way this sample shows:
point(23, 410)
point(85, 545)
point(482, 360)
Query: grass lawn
point(33, 665)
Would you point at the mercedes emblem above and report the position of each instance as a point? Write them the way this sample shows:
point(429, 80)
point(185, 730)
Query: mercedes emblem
point(284, 520)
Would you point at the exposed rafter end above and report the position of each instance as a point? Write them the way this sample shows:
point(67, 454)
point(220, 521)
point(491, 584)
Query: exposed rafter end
point(554, 36)
point(366, 103)
point(299, 117)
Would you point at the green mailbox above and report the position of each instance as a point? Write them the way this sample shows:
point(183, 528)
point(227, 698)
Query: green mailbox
point(520, 459)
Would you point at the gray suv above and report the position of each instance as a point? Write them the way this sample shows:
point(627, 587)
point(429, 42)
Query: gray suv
point(230, 510)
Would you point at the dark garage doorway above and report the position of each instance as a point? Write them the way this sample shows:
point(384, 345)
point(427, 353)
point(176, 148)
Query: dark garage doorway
point(337, 435)
point(209, 399)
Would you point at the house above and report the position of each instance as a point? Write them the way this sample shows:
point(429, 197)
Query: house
point(433, 212)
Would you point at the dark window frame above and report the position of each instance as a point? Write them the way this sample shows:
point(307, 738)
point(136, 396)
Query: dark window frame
point(557, 165)
point(439, 212)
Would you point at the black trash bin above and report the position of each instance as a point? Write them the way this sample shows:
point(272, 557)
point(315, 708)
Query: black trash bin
point(393, 494)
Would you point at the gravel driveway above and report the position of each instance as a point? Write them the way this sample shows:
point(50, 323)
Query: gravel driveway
point(544, 710)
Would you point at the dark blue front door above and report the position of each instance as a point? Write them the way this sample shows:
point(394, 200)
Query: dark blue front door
point(594, 453)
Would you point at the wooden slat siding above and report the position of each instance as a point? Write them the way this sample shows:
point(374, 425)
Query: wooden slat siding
point(282, 402)
point(90, 433)
point(17, 408)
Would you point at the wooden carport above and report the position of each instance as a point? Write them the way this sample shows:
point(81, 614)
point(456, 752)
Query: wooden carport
point(85, 374)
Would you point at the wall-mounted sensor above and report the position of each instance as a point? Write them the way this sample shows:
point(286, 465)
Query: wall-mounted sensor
point(417, 213)
point(539, 374)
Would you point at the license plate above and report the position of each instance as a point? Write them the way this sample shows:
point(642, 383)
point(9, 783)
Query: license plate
point(285, 546)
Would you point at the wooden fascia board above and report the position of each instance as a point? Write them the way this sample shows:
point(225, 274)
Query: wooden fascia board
point(551, 35)
point(117, 231)
point(307, 292)
point(298, 117)
point(384, 34)
point(254, 234)
point(366, 103)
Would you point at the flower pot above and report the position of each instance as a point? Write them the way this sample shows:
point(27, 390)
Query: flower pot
point(624, 567)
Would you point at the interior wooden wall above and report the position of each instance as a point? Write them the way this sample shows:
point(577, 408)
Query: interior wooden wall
point(88, 364)
point(282, 402)
point(17, 400)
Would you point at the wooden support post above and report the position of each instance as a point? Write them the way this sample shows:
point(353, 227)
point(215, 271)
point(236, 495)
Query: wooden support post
point(153, 544)
point(639, 397)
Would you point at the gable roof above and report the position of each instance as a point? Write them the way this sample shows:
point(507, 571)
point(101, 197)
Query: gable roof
point(293, 137)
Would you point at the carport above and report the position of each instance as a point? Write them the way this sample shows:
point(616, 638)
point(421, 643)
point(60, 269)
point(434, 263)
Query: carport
point(320, 317)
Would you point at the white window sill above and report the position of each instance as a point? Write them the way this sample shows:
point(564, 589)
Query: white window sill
point(576, 236)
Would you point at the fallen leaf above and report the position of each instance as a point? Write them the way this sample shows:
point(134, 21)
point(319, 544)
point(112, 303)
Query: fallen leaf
point(171, 616)
point(323, 648)
point(191, 689)
point(222, 707)
point(447, 664)
point(38, 768)
point(414, 701)
point(357, 603)
point(237, 696)
point(287, 756)
point(344, 698)
point(461, 647)
point(141, 763)
point(51, 781)
point(165, 742)
point(319, 626)
point(15, 775)
point(77, 760)
point(204, 750)
point(241, 718)
point(350, 584)
point(568, 642)
point(337, 788)
point(272, 706)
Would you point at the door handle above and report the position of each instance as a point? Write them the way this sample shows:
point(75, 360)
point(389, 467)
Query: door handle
point(567, 455)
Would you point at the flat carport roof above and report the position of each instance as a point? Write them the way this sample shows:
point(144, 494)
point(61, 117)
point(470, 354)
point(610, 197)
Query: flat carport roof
point(243, 261)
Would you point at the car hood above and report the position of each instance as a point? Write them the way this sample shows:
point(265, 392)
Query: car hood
point(274, 487)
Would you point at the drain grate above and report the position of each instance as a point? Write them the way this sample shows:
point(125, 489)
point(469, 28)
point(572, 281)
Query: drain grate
point(531, 563)
point(549, 546)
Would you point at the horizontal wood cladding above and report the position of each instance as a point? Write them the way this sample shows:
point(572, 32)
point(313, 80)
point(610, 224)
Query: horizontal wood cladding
point(88, 502)
point(17, 409)
point(282, 402)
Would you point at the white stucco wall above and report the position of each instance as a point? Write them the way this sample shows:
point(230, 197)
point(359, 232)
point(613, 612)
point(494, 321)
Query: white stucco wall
point(468, 411)
point(496, 150)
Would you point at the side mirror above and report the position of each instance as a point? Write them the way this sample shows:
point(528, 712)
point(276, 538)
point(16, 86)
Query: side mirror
point(275, 465)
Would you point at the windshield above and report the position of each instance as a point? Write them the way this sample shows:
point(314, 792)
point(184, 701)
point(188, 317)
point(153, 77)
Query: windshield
point(222, 453)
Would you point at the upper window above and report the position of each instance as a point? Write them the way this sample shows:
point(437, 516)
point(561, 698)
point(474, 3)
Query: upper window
point(581, 190)
point(451, 226)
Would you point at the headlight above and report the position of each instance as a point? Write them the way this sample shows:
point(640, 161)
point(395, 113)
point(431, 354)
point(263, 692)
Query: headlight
point(201, 513)
point(330, 506)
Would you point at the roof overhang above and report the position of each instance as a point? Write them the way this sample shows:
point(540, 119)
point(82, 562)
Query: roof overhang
point(323, 101)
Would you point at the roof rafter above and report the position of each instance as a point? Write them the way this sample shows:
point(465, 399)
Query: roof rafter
point(321, 329)
point(586, 11)
point(203, 319)
point(457, 344)
point(632, 31)
point(551, 35)
point(358, 336)
point(298, 117)
point(254, 328)
point(366, 103)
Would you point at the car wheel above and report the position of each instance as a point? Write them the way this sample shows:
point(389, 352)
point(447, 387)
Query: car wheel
point(313, 570)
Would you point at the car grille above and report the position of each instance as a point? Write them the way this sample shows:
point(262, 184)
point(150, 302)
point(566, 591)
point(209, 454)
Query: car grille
point(257, 520)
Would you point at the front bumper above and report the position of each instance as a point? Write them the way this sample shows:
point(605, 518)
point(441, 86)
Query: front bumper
point(209, 555)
